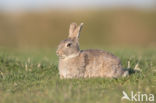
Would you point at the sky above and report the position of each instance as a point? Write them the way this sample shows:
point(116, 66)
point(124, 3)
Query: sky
point(40, 4)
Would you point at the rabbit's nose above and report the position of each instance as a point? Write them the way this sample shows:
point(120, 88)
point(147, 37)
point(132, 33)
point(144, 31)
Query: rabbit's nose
point(57, 53)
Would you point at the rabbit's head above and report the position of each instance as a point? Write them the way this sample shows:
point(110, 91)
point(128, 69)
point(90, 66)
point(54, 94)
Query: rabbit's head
point(70, 46)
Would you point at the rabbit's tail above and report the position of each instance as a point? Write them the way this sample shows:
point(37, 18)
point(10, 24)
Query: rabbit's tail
point(125, 73)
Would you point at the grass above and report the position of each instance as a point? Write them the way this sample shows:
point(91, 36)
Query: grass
point(32, 77)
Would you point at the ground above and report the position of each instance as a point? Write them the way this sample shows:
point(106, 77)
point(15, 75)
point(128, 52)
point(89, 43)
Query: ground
point(32, 77)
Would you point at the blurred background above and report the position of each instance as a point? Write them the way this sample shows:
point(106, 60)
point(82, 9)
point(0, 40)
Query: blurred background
point(44, 23)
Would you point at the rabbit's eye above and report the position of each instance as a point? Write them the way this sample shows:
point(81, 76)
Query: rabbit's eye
point(69, 45)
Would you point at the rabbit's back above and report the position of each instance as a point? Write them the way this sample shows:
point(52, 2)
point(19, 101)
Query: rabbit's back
point(100, 63)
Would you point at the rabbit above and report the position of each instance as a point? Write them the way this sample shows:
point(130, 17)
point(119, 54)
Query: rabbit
point(76, 63)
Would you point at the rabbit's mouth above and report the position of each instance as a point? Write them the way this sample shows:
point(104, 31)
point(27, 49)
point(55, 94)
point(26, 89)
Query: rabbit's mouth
point(61, 56)
point(69, 57)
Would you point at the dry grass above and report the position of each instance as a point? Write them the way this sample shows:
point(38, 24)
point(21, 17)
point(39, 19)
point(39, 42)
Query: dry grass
point(102, 27)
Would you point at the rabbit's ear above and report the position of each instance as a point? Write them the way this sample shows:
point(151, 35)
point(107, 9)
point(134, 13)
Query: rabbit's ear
point(76, 32)
point(72, 29)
